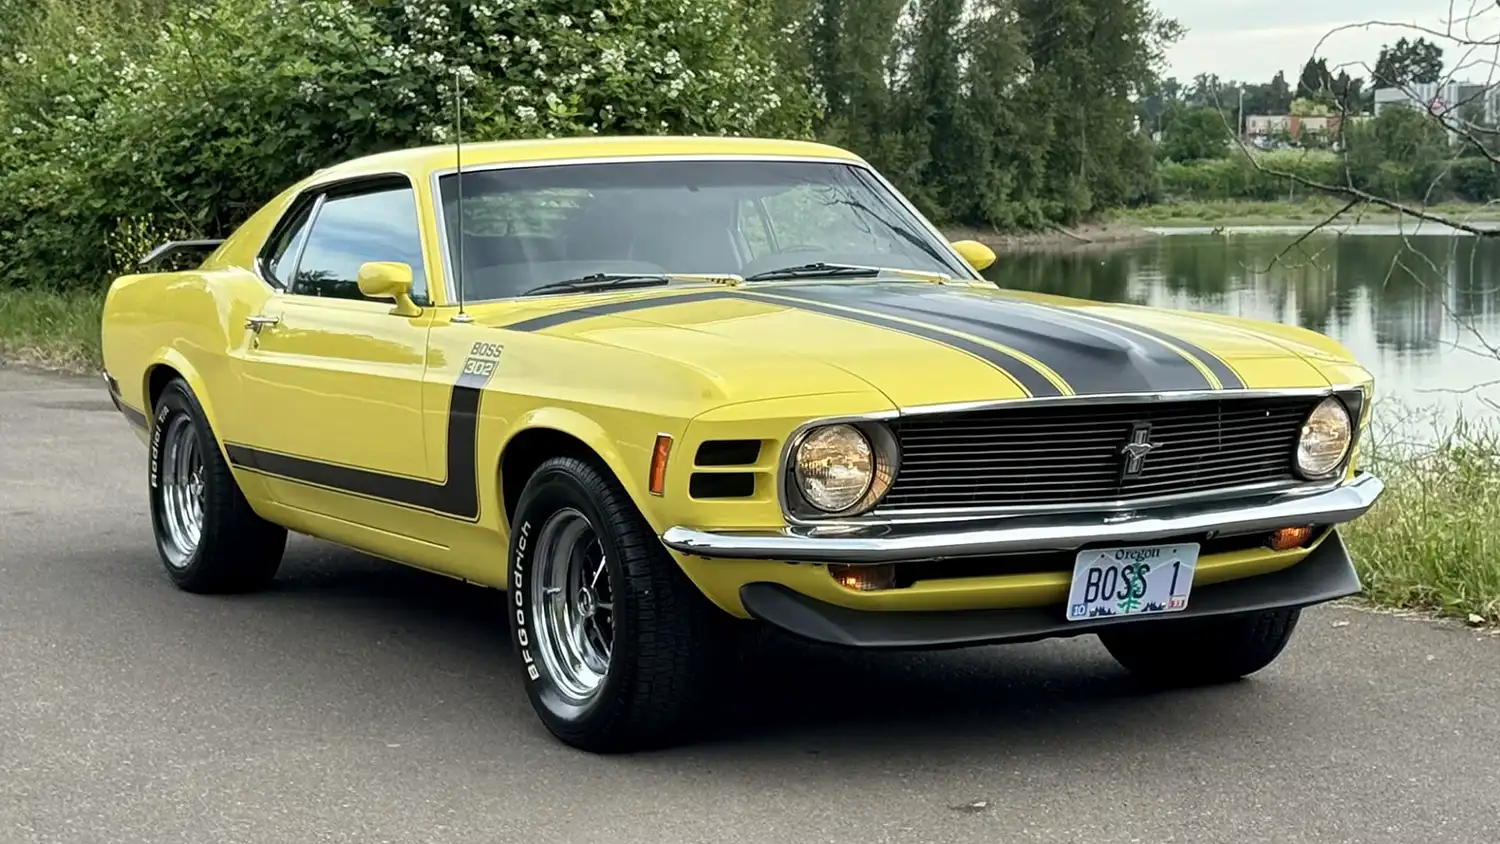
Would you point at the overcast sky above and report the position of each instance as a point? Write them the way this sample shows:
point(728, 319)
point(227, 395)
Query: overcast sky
point(1252, 39)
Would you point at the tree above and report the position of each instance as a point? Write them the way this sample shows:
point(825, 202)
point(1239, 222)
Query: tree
point(1315, 79)
point(1260, 99)
point(1348, 93)
point(1399, 154)
point(1195, 134)
point(934, 98)
point(226, 103)
point(1281, 94)
point(1406, 62)
point(1308, 107)
point(1158, 96)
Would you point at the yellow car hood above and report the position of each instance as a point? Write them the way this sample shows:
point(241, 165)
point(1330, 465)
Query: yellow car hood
point(922, 343)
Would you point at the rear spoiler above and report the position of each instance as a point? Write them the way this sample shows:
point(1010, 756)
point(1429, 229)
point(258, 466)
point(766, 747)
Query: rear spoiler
point(178, 247)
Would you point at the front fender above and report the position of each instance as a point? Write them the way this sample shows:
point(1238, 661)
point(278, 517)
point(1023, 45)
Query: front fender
point(626, 452)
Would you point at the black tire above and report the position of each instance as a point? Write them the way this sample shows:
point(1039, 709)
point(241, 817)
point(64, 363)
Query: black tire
point(1202, 651)
point(668, 638)
point(237, 550)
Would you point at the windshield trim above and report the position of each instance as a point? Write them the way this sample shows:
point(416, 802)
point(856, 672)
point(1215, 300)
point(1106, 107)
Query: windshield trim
point(450, 291)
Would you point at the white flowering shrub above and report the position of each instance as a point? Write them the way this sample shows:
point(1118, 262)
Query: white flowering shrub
point(230, 101)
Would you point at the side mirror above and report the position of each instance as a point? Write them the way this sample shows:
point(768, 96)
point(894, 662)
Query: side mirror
point(977, 254)
point(389, 280)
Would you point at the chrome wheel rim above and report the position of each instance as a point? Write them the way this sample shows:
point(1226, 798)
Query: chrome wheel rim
point(573, 601)
point(181, 491)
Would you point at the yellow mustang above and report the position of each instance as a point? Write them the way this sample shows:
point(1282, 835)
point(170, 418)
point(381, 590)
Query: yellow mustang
point(651, 386)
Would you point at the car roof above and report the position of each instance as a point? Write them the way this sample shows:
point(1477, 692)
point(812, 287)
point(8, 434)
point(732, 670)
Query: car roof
point(420, 161)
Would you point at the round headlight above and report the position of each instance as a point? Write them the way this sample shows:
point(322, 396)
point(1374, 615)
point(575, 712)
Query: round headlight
point(834, 467)
point(1325, 439)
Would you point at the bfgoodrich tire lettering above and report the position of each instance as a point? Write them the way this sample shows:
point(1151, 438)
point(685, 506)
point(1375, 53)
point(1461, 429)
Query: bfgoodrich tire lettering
point(209, 538)
point(1202, 651)
point(662, 635)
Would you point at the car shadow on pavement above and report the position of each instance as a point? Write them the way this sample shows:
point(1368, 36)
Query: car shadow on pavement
point(783, 695)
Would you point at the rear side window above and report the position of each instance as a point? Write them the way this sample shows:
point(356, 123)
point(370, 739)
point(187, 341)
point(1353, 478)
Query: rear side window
point(350, 229)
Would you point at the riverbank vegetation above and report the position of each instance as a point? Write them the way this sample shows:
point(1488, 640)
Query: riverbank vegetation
point(1432, 542)
point(1310, 211)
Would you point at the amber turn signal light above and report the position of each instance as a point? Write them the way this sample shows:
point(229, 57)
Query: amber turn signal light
point(659, 455)
point(864, 578)
point(1289, 538)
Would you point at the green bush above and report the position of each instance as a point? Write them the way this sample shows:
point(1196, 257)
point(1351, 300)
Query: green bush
point(1475, 180)
point(186, 124)
point(1237, 178)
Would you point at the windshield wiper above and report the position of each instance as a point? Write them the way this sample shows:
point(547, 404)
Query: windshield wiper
point(819, 269)
point(600, 281)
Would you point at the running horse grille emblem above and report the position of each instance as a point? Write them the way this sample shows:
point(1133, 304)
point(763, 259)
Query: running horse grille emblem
point(1136, 449)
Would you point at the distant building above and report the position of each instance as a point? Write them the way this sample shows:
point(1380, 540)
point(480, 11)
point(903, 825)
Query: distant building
point(1292, 125)
point(1456, 97)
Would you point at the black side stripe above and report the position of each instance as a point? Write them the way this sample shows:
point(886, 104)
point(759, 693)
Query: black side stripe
point(457, 496)
point(1091, 358)
point(1033, 381)
point(1030, 378)
point(608, 308)
point(1215, 364)
point(135, 417)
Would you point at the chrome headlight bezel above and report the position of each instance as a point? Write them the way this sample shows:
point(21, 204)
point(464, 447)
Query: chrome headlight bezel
point(1336, 405)
point(885, 454)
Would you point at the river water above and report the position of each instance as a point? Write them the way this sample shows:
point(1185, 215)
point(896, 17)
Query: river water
point(1421, 311)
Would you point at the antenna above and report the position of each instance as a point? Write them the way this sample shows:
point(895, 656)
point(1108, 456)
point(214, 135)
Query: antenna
point(458, 159)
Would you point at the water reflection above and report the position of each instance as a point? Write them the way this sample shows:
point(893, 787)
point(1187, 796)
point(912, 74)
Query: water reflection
point(1422, 312)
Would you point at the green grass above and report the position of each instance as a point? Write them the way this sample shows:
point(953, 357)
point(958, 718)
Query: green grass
point(1432, 541)
point(50, 328)
point(1311, 210)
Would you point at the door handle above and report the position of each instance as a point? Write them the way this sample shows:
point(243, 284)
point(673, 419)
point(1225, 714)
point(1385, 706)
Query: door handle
point(256, 323)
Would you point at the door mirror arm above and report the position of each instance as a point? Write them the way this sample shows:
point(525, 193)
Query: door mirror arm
point(389, 280)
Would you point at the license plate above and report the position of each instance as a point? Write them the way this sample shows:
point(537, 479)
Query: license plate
point(1135, 580)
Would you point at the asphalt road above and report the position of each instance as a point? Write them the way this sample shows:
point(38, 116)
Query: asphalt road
point(362, 702)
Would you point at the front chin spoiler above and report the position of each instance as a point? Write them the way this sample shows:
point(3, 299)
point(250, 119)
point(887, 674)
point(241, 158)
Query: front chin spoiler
point(1324, 575)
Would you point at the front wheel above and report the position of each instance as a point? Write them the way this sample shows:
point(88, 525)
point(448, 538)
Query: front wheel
point(1202, 651)
point(616, 646)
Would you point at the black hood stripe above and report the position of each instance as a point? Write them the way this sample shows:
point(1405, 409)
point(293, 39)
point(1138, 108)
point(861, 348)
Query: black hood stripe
point(1221, 368)
point(1031, 379)
point(456, 497)
point(608, 308)
point(1092, 358)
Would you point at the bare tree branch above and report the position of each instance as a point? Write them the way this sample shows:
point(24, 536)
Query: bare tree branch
point(1309, 233)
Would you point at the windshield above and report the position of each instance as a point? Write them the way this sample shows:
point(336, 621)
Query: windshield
point(529, 226)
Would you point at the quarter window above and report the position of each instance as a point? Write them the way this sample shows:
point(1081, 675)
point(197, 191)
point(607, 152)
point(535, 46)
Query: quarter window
point(282, 255)
point(350, 229)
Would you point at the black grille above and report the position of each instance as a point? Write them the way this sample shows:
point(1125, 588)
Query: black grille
point(1073, 454)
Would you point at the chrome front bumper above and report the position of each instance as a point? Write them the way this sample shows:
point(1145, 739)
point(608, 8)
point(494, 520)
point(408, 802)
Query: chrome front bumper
point(1054, 532)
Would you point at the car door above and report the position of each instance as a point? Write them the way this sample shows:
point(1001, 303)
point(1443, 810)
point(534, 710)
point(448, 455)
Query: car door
point(333, 379)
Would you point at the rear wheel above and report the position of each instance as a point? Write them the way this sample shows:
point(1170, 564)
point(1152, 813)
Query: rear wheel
point(616, 646)
point(208, 537)
point(1202, 651)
